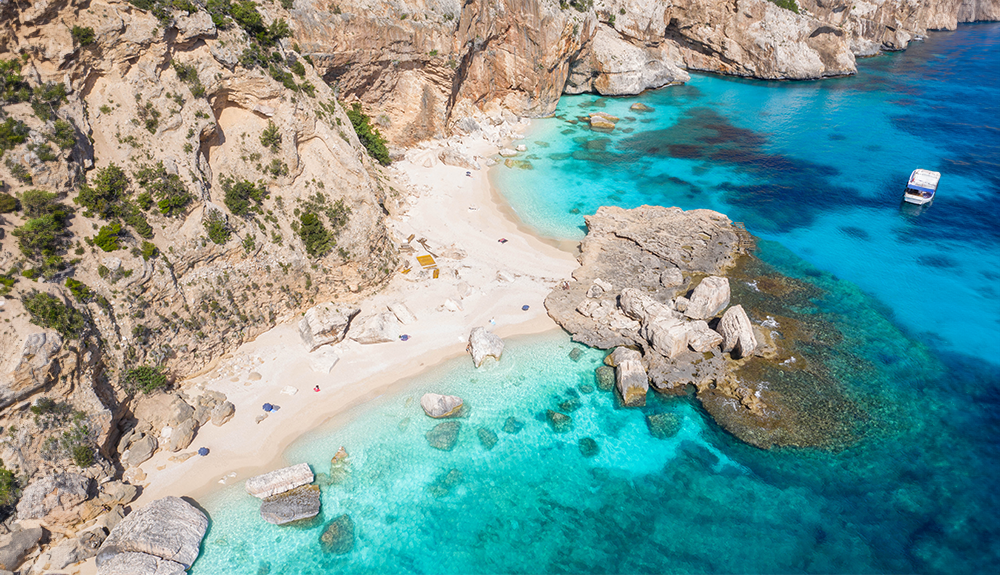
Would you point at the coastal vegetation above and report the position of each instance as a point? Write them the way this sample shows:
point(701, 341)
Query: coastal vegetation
point(145, 379)
point(50, 312)
point(370, 137)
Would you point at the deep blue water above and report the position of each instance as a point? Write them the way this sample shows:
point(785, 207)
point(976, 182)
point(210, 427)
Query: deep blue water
point(816, 170)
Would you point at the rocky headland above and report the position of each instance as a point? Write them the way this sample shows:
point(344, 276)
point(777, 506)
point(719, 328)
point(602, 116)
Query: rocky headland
point(656, 286)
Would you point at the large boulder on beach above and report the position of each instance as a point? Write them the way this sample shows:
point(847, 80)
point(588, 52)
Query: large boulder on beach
point(54, 498)
point(379, 328)
point(292, 505)
point(139, 451)
point(737, 332)
point(326, 323)
point(168, 528)
point(484, 344)
point(182, 435)
point(139, 564)
point(438, 406)
point(338, 536)
point(630, 377)
point(222, 413)
point(709, 298)
point(279, 480)
point(15, 545)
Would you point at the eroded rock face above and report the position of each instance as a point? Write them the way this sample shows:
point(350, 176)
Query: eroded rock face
point(31, 369)
point(379, 328)
point(54, 498)
point(710, 297)
point(438, 406)
point(616, 67)
point(166, 529)
point(139, 564)
point(16, 544)
point(483, 344)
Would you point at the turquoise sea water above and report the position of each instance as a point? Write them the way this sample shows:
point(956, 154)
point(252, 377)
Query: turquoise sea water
point(815, 169)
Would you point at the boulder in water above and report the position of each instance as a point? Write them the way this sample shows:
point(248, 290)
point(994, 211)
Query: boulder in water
point(338, 536)
point(513, 425)
point(487, 438)
point(630, 377)
point(444, 436)
point(588, 447)
point(438, 406)
point(295, 504)
point(279, 481)
point(560, 422)
point(605, 378)
point(663, 425)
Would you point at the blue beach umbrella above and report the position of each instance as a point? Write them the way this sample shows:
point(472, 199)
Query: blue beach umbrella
point(524, 308)
point(203, 451)
point(268, 407)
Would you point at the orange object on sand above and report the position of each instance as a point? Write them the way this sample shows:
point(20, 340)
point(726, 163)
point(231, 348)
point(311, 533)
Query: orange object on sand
point(426, 261)
point(437, 272)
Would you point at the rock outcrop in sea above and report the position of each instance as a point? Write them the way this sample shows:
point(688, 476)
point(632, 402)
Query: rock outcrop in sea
point(287, 494)
point(656, 285)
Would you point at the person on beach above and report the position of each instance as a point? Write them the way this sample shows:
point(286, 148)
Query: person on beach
point(316, 389)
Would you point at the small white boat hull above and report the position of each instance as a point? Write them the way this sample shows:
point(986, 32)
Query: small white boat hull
point(918, 200)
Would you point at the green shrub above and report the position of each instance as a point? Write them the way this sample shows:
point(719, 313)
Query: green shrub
point(44, 234)
point(145, 378)
point(10, 490)
point(317, 239)
point(787, 5)
point(144, 200)
point(106, 199)
point(50, 312)
point(135, 218)
point(149, 251)
point(108, 237)
point(168, 189)
point(83, 36)
point(298, 68)
point(7, 282)
point(8, 203)
point(219, 10)
point(80, 290)
point(149, 116)
point(370, 137)
point(217, 228)
point(270, 138)
point(64, 134)
point(44, 152)
point(287, 4)
point(13, 88)
point(82, 454)
point(189, 75)
point(46, 99)
point(12, 133)
point(243, 196)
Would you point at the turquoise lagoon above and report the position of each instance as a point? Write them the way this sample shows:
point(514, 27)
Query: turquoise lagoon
point(816, 170)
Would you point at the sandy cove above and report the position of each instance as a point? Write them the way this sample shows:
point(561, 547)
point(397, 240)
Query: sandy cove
point(455, 213)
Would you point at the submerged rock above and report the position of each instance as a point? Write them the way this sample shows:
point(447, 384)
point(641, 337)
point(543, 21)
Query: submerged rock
point(438, 406)
point(560, 422)
point(513, 425)
point(605, 378)
point(339, 467)
point(575, 354)
point(588, 447)
point(663, 425)
point(293, 505)
point(570, 405)
point(444, 436)
point(487, 438)
point(338, 536)
point(444, 483)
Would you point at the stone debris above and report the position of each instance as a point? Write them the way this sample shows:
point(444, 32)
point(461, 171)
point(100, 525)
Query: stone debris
point(737, 332)
point(630, 376)
point(293, 505)
point(379, 328)
point(326, 323)
point(709, 298)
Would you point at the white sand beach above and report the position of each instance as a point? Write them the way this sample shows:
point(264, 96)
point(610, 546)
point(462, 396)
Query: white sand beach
point(480, 279)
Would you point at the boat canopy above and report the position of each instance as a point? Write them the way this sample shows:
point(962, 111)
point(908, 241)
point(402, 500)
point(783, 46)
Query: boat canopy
point(924, 180)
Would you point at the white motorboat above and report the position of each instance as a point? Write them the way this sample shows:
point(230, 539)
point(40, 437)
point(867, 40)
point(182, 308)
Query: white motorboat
point(921, 187)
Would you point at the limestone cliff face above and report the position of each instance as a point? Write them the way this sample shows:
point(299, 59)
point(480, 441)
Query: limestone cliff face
point(425, 64)
point(183, 102)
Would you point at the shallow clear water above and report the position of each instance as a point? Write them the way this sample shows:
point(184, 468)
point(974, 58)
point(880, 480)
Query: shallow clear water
point(815, 169)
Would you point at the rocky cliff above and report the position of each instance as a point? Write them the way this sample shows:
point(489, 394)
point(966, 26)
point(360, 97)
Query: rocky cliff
point(425, 65)
point(173, 182)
